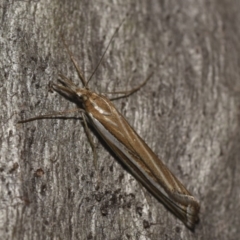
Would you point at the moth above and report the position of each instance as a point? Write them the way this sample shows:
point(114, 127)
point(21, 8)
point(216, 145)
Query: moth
point(99, 112)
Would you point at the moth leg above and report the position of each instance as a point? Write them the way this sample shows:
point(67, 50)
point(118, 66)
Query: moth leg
point(129, 92)
point(52, 115)
point(90, 139)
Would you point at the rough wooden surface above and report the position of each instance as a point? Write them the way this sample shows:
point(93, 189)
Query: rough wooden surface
point(188, 113)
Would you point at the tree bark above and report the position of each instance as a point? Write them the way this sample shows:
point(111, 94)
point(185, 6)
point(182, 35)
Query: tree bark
point(188, 113)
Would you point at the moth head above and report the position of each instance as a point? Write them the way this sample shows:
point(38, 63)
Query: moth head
point(70, 90)
point(82, 94)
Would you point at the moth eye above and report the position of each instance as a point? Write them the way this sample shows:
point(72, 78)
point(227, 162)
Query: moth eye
point(84, 98)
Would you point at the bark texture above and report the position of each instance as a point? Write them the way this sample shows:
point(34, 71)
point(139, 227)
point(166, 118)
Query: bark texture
point(188, 113)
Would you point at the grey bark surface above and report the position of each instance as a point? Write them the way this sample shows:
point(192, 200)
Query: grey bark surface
point(188, 113)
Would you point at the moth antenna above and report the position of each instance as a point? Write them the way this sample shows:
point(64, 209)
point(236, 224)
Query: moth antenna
point(84, 82)
point(114, 34)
